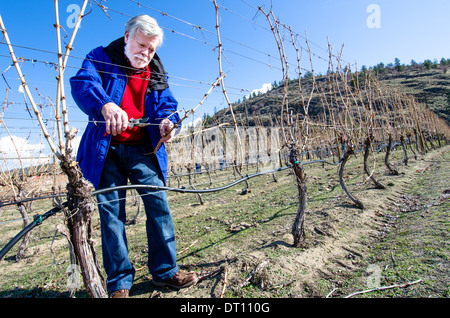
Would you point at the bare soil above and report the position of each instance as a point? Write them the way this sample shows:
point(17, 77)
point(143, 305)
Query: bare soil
point(340, 239)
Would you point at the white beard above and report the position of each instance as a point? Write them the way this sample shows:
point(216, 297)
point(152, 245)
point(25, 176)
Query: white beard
point(137, 60)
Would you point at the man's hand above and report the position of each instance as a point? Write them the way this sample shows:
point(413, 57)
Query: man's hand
point(164, 127)
point(116, 119)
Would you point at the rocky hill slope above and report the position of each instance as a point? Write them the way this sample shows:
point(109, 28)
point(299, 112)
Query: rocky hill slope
point(429, 82)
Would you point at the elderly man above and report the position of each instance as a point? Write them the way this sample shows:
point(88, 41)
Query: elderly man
point(124, 81)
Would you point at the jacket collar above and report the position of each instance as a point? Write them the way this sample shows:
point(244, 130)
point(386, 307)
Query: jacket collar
point(158, 78)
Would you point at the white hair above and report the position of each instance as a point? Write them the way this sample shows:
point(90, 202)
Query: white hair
point(145, 24)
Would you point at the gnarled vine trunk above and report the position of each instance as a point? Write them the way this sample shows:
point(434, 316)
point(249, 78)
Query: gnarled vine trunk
point(299, 172)
point(367, 144)
point(392, 170)
point(23, 212)
point(78, 216)
point(350, 151)
point(405, 153)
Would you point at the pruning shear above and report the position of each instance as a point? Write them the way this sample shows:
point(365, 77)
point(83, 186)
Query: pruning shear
point(141, 122)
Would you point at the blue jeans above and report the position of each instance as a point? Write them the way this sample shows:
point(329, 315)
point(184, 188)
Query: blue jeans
point(125, 162)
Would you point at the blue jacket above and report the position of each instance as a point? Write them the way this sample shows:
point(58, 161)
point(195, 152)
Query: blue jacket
point(102, 79)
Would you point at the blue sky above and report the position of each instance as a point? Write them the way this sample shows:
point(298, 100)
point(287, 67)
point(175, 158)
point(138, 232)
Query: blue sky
point(406, 30)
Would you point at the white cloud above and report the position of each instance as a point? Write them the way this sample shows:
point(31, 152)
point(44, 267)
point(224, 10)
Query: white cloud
point(8, 146)
point(264, 89)
point(30, 154)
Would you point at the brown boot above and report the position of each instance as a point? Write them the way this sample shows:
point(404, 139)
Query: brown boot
point(121, 293)
point(179, 280)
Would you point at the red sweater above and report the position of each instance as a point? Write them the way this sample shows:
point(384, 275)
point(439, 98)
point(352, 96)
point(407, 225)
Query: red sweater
point(133, 105)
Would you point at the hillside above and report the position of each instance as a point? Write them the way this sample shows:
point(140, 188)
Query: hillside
point(429, 82)
point(430, 86)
